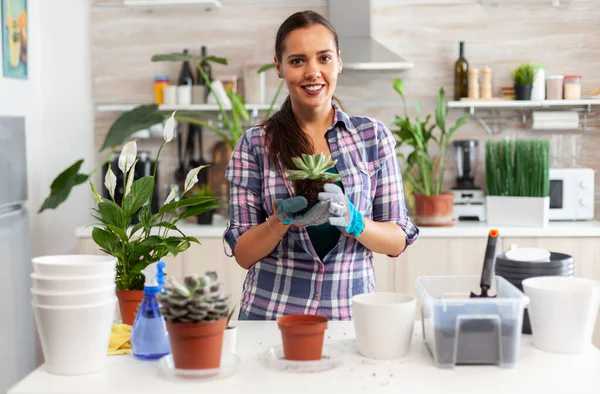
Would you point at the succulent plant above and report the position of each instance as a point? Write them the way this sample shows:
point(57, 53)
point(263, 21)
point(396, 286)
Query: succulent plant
point(313, 167)
point(200, 299)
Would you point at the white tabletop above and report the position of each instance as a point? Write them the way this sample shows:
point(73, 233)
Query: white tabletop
point(536, 371)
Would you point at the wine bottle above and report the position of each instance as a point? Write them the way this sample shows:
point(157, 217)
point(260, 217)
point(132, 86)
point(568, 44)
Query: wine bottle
point(461, 75)
point(186, 77)
point(205, 67)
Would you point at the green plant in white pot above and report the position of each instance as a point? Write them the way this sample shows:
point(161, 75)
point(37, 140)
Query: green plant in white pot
point(518, 182)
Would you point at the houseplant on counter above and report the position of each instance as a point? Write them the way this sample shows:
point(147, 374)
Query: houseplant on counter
point(196, 314)
point(523, 79)
point(424, 169)
point(154, 236)
point(518, 182)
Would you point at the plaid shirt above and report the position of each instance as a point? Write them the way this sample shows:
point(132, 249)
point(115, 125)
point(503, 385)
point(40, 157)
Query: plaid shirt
point(292, 279)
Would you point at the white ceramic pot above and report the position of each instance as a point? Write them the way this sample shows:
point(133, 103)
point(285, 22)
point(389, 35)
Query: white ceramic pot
point(384, 324)
point(72, 283)
point(74, 339)
point(74, 265)
point(562, 312)
point(73, 299)
point(229, 340)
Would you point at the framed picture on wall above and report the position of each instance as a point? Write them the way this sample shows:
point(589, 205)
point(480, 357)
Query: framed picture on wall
point(14, 38)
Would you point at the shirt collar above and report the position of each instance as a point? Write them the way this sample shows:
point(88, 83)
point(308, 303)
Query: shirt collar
point(340, 116)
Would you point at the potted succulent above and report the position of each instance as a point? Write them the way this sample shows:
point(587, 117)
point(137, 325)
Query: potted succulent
point(424, 169)
point(196, 314)
point(154, 236)
point(302, 336)
point(518, 182)
point(230, 335)
point(310, 175)
point(523, 79)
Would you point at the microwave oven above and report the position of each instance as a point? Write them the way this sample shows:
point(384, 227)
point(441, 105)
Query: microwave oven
point(571, 194)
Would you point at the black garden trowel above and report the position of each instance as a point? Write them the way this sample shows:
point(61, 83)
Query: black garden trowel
point(489, 262)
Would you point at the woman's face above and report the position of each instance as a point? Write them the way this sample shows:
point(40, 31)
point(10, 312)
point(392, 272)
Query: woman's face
point(310, 66)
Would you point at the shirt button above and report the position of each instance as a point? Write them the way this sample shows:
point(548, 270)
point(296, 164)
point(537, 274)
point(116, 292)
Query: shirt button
point(317, 295)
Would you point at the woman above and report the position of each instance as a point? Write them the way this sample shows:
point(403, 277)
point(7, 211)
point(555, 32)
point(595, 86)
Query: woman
point(313, 263)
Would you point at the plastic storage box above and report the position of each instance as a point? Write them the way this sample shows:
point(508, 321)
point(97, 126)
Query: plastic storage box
point(459, 330)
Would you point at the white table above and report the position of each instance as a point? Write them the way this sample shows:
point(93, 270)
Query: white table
point(535, 372)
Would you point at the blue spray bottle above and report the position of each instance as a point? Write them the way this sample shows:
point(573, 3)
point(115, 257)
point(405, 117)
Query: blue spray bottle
point(149, 336)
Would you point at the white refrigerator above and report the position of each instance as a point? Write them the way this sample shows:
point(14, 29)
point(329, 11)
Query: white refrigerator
point(17, 328)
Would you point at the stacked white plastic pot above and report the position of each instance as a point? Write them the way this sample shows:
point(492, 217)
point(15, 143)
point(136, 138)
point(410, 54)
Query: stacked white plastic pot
point(74, 301)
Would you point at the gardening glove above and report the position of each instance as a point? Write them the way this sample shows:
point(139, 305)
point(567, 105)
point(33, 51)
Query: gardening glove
point(344, 214)
point(286, 211)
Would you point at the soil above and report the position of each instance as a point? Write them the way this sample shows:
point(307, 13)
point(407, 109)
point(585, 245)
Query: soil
point(310, 189)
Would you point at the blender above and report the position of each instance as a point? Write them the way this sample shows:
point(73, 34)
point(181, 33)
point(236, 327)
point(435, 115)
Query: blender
point(469, 200)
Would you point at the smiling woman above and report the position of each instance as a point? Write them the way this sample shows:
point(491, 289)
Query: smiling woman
point(315, 261)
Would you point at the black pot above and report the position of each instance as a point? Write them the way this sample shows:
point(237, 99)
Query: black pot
point(205, 218)
point(523, 92)
point(557, 260)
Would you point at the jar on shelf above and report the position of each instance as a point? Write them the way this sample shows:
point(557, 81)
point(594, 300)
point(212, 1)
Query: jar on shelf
point(572, 87)
point(473, 83)
point(554, 87)
point(486, 83)
point(160, 81)
point(538, 88)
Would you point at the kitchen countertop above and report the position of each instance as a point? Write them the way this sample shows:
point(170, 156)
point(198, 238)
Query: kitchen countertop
point(535, 371)
point(459, 230)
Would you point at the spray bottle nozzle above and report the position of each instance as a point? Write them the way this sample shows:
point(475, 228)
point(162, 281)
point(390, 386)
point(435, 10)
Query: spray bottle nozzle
point(154, 276)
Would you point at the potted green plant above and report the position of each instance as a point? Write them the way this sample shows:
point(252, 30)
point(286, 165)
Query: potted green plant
point(310, 175)
point(523, 79)
point(518, 182)
point(424, 169)
point(196, 314)
point(155, 236)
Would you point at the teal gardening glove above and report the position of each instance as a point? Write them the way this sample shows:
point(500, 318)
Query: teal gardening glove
point(286, 211)
point(343, 213)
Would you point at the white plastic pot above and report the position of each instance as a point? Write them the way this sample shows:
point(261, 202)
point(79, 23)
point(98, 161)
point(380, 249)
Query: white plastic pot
point(74, 265)
point(562, 312)
point(384, 324)
point(50, 298)
point(229, 340)
point(74, 339)
point(72, 283)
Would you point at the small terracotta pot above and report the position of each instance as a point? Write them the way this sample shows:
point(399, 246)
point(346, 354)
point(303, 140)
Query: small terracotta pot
point(435, 210)
point(129, 302)
point(302, 336)
point(197, 345)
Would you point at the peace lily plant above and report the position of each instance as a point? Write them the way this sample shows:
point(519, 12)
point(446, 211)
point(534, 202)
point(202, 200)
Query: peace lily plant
point(156, 235)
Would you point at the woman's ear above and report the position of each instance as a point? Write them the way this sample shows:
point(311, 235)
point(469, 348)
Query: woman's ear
point(277, 66)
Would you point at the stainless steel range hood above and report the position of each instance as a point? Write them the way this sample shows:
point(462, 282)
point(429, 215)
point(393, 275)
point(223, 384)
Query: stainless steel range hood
point(359, 50)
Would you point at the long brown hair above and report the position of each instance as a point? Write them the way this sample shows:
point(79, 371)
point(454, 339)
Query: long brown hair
point(283, 134)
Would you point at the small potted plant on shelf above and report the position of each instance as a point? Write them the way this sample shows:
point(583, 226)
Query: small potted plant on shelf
point(518, 182)
point(424, 169)
point(311, 175)
point(196, 314)
point(154, 237)
point(523, 78)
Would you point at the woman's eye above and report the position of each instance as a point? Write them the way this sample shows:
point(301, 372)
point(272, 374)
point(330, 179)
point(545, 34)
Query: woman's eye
point(326, 58)
point(296, 61)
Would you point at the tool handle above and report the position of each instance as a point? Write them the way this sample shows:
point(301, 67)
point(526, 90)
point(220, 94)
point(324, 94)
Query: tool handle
point(489, 260)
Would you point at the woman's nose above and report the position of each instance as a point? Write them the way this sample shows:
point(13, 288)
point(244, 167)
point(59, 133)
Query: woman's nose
point(312, 70)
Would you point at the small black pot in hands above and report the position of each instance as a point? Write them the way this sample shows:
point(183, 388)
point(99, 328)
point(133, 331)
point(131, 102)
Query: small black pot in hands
point(523, 92)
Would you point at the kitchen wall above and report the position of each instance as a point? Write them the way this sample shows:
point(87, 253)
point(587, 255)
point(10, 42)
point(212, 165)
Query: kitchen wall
point(57, 104)
point(427, 32)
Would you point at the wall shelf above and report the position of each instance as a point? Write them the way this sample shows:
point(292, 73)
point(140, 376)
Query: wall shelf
point(252, 108)
point(524, 106)
point(207, 4)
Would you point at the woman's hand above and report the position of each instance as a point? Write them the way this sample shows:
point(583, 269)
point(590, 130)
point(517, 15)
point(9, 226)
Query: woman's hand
point(344, 214)
point(286, 212)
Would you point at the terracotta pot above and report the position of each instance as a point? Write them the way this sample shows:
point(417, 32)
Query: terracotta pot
point(129, 302)
point(434, 210)
point(197, 345)
point(302, 336)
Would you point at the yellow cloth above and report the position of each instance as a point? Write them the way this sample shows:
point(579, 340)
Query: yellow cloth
point(119, 339)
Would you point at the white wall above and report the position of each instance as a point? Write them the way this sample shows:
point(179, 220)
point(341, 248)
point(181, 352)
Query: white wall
point(57, 103)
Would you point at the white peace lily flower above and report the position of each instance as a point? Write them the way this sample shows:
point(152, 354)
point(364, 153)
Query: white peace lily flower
point(169, 128)
point(110, 181)
point(170, 197)
point(130, 179)
point(95, 195)
point(192, 178)
point(127, 157)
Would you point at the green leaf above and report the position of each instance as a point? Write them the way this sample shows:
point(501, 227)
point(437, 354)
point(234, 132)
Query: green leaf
point(104, 239)
point(239, 107)
point(441, 111)
point(399, 86)
point(193, 239)
point(145, 216)
point(138, 267)
point(110, 213)
point(266, 67)
point(186, 202)
point(118, 231)
point(459, 123)
point(139, 118)
point(197, 210)
point(181, 57)
point(61, 186)
point(141, 191)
